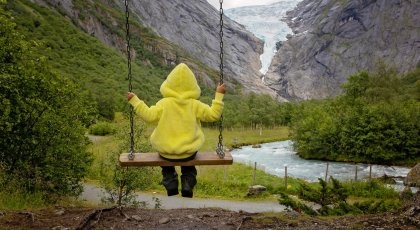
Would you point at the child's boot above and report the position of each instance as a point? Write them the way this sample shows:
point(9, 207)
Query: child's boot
point(188, 180)
point(170, 180)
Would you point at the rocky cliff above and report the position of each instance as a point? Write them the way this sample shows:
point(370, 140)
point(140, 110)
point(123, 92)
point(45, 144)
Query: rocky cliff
point(193, 26)
point(334, 38)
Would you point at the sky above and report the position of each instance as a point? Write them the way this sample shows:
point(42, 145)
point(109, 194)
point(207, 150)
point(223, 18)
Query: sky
point(238, 3)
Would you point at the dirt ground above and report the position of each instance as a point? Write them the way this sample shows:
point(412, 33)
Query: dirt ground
point(406, 218)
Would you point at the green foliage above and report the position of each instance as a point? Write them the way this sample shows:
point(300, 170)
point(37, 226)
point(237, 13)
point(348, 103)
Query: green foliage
point(370, 189)
point(121, 183)
point(325, 195)
point(252, 110)
point(81, 57)
point(42, 121)
point(10, 199)
point(376, 120)
point(377, 206)
point(296, 205)
point(332, 198)
point(102, 129)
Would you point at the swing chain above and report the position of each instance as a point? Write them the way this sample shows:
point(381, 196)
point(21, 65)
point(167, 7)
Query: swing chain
point(220, 150)
point(130, 87)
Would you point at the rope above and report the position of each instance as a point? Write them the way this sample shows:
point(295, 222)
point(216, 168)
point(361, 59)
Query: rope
point(220, 150)
point(130, 86)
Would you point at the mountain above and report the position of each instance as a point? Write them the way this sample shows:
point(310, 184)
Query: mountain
point(194, 27)
point(265, 22)
point(333, 39)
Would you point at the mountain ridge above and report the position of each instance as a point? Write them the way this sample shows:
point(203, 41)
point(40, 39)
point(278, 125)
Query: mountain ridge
point(334, 39)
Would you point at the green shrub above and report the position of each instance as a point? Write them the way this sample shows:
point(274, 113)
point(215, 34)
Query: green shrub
point(372, 206)
point(102, 129)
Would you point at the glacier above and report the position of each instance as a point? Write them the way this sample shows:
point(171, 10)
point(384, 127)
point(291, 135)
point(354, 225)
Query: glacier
point(265, 22)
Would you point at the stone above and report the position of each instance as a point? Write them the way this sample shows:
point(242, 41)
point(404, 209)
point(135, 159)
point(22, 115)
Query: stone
point(164, 220)
point(413, 177)
point(255, 190)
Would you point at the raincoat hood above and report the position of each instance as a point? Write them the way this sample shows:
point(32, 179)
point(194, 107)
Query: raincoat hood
point(181, 83)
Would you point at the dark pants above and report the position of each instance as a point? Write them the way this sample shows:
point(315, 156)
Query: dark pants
point(188, 178)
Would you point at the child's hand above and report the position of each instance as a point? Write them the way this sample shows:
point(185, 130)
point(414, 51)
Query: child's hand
point(130, 95)
point(221, 88)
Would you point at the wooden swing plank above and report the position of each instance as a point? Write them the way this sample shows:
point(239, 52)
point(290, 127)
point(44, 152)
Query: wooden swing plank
point(154, 159)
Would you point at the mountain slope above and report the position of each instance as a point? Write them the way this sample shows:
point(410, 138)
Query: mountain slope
point(193, 28)
point(334, 39)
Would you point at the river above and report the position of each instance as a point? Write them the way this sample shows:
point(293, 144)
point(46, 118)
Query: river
point(274, 157)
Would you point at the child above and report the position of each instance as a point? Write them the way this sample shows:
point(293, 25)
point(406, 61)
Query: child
point(177, 116)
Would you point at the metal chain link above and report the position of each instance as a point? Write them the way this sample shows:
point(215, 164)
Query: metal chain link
point(220, 150)
point(130, 86)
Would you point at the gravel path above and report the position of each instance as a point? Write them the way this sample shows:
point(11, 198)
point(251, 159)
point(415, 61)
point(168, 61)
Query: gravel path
point(93, 195)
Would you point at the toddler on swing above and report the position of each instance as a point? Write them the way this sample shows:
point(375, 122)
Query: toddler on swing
point(177, 117)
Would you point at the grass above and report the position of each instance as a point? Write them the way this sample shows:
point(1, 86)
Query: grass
point(232, 182)
point(235, 137)
point(228, 182)
point(216, 182)
point(19, 201)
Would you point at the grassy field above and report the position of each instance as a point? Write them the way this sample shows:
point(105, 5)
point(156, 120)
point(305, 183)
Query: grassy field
point(229, 182)
point(242, 136)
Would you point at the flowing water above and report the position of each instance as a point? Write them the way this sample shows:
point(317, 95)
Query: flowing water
point(274, 157)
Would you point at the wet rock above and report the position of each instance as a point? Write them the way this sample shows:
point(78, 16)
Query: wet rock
point(413, 177)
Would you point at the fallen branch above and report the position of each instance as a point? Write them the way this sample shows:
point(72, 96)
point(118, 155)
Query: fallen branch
point(93, 218)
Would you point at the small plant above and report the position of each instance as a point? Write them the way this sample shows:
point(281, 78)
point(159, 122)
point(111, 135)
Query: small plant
point(332, 197)
point(121, 183)
point(296, 205)
point(158, 202)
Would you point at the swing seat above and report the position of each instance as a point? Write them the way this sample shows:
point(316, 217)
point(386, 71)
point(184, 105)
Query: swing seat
point(154, 159)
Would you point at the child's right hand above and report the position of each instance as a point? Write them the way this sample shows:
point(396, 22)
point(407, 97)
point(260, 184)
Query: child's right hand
point(130, 95)
point(221, 88)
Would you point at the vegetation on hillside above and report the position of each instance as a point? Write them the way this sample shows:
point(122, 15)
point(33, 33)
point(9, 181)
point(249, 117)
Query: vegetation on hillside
point(43, 120)
point(376, 120)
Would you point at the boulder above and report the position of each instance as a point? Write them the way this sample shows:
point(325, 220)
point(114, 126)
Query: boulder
point(413, 177)
point(256, 189)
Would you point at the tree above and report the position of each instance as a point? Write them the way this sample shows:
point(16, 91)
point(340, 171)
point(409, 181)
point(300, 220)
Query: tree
point(376, 120)
point(42, 121)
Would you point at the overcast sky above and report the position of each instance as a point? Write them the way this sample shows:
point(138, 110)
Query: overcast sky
point(238, 3)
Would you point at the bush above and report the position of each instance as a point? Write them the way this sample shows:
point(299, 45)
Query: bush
point(332, 199)
point(102, 129)
point(42, 121)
